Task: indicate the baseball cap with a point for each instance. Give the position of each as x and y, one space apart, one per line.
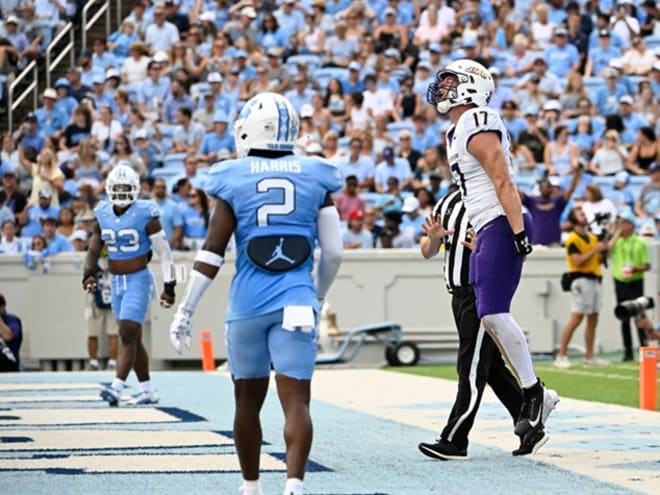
51 220
655 167
656 66
616 63
390 11
610 73
214 77
626 99
207 16
628 216
494 71
306 111
423 65
560 31
62 82
435 47
31 116
9 173
141 134
45 193
354 66
49 93
112 72
647 230
392 52
509 105
12 19
78 235
273 52
531 109
313 148
240 54
161 57
220 116
355 215
604 33
405 133
552 105
388 153
410 204
622 177
98 79
249 12
469 43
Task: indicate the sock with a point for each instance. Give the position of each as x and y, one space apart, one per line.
251 488
147 386
294 486
513 343
118 385
94 363
112 363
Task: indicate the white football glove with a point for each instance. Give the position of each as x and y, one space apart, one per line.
181 330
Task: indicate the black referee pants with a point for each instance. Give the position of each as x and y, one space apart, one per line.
624 292
479 362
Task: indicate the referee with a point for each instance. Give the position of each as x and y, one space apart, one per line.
479 359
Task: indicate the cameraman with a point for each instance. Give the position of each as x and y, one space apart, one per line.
583 257
631 257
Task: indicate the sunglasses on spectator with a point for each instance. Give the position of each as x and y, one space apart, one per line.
194 195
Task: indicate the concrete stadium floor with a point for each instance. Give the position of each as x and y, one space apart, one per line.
56 437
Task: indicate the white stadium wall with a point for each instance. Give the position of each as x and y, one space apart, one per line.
372 286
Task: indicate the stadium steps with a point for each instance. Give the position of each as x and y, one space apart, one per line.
97 30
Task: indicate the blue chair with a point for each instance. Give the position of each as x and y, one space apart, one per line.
324 75
652 42
592 85
508 82
174 161
313 62
525 183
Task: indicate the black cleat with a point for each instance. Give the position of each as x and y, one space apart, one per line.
443 450
538 403
532 442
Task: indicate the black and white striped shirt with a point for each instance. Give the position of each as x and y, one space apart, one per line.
457 257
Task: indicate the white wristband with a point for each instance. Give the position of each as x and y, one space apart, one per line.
209 258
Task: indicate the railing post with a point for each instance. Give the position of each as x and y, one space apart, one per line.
35 92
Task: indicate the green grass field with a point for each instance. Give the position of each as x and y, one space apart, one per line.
614 384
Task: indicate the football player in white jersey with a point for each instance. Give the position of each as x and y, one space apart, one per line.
480 161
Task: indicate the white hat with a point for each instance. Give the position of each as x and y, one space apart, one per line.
249 12
112 72
306 110
313 147
207 16
214 77
12 19
50 93
647 229
626 99
554 180
78 235
390 10
410 204
354 65
161 57
141 134
552 105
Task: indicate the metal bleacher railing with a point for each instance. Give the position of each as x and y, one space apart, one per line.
68 49
100 9
13 103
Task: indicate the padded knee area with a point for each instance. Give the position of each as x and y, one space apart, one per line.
128 335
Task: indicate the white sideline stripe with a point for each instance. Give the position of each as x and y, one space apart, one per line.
82 416
109 439
54 398
167 463
20 387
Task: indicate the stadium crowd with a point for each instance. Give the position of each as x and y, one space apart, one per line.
577 84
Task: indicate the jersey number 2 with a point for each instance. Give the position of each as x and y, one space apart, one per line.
286 206
129 238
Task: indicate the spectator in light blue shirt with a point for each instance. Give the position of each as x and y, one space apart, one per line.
501 94
220 139
392 166
353 83
151 93
601 55
51 121
37 213
514 124
603 23
421 135
101 59
66 104
561 56
177 98
291 20
358 165
56 242
631 120
120 41
300 94
99 95
607 98
171 218
222 102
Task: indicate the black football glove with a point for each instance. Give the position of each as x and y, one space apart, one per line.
521 243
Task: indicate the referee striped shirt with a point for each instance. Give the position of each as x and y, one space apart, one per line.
457 257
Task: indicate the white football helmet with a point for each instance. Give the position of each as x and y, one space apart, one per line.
474 85
268 121
122 185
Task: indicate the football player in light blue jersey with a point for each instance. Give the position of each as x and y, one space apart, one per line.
277 205
130 229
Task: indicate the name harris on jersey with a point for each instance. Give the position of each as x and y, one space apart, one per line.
264 166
